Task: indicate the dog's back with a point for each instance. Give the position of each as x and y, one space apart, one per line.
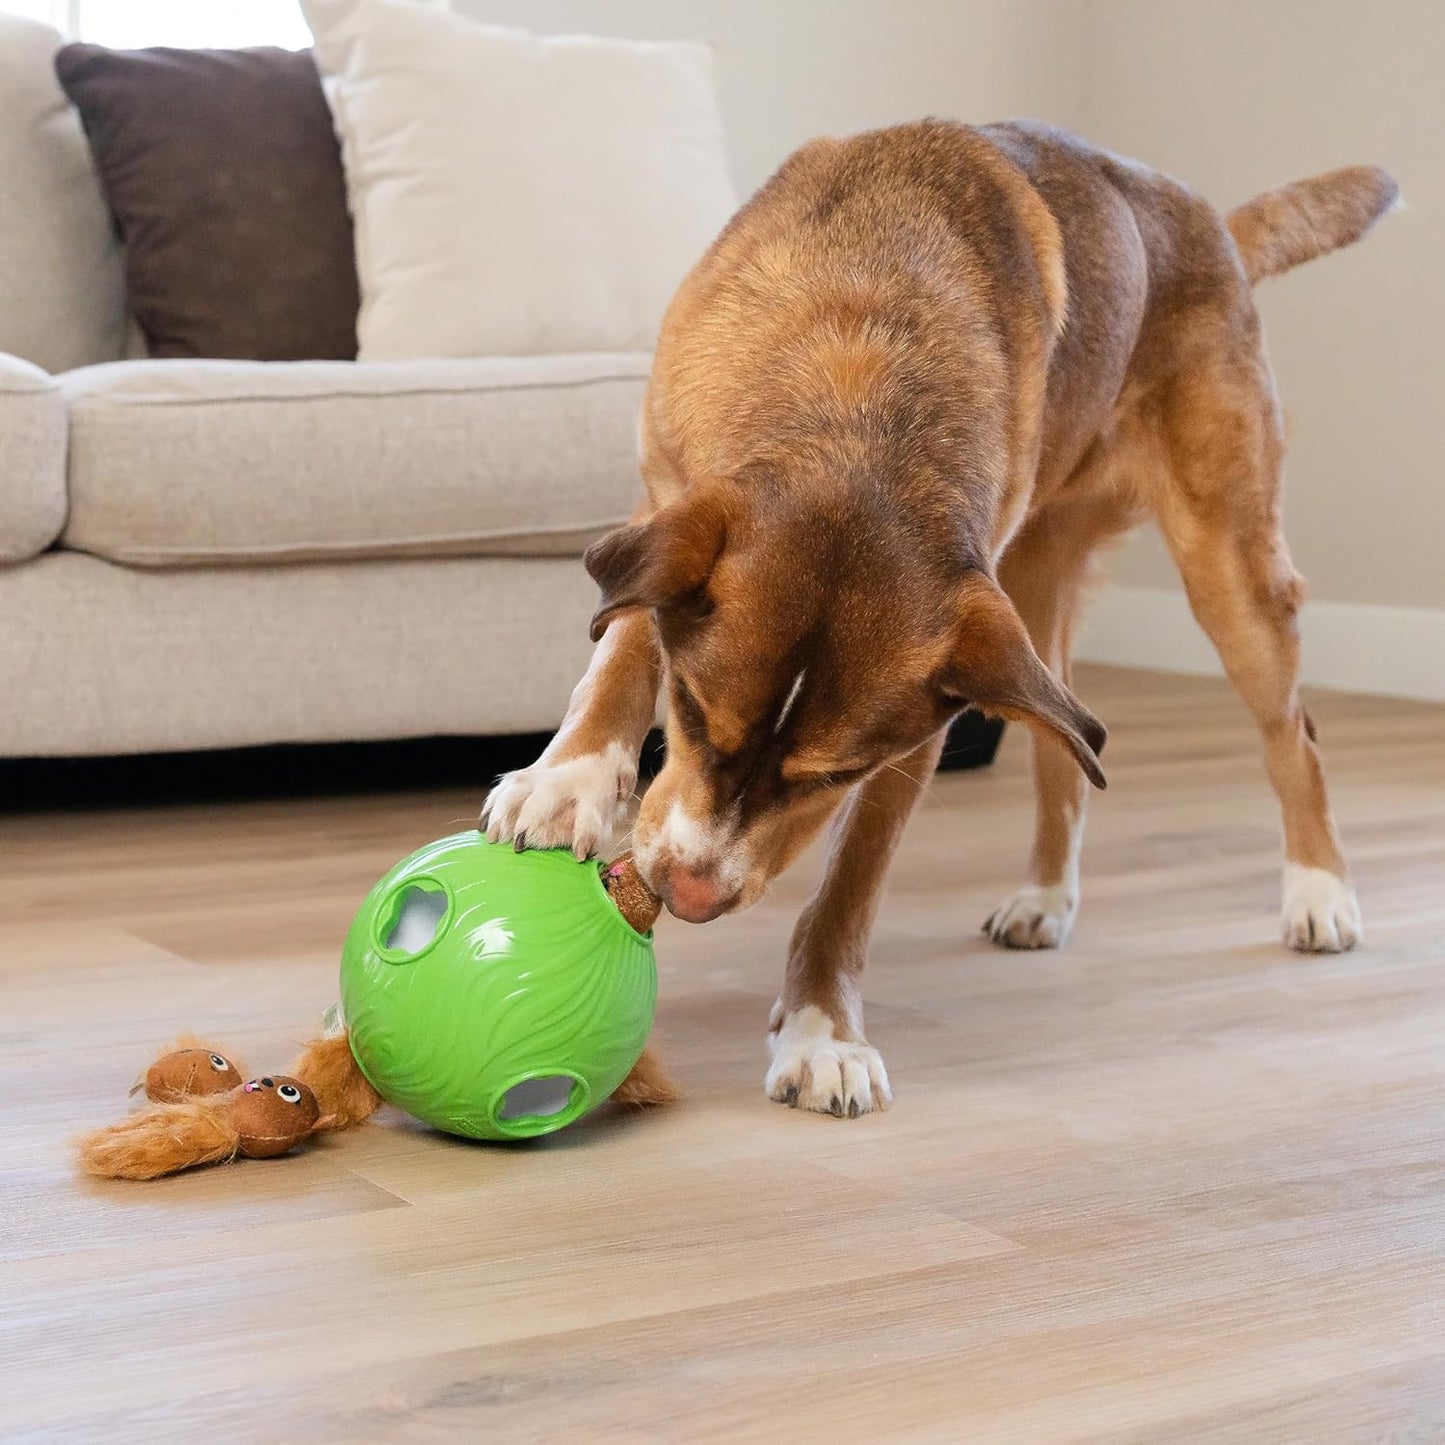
862 277
941 262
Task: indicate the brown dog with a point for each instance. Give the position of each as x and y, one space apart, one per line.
911 389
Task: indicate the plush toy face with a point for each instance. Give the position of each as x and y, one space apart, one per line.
635 901
189 1074
273 1114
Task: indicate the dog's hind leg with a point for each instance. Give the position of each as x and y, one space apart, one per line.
1219 511
1044 572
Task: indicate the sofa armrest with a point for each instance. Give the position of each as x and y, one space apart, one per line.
32 459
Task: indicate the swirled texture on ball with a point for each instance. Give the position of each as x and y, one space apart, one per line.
532 973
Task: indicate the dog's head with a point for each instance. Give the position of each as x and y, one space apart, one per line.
807 641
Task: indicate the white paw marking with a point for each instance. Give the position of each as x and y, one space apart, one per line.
1321 912
813 1070
1035 916
575 804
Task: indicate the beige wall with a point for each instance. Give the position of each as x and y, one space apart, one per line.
1239 95
789 70
1232 96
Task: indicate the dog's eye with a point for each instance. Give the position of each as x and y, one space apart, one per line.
290 1093
811 781
219 1064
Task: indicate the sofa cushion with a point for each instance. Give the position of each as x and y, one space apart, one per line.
32 460
224 175
96 658
62 300
180 462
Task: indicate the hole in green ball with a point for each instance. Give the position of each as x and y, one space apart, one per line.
537 1098
415 917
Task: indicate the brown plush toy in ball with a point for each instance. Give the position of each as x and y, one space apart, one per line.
635 901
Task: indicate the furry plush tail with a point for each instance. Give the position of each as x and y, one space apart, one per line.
648 1083
342 1090
1310 218
160 1140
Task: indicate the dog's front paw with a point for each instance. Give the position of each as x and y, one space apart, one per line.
1321 912
812 1069
576 803
1034 917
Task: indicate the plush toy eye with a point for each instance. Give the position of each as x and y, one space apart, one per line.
219 1064
290 1093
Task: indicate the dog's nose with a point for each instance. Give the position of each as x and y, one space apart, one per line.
694 897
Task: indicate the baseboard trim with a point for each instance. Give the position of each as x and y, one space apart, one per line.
1353 647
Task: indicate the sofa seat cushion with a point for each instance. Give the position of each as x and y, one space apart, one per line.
97 658
32 459
178 463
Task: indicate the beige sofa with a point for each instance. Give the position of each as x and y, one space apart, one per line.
200 554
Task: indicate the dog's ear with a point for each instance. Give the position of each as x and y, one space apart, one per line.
993 667
659 562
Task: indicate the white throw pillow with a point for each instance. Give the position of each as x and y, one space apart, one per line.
62 294
515 194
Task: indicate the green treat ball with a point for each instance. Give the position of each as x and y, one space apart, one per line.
493 993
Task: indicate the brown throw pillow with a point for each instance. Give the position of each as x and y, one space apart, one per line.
223 173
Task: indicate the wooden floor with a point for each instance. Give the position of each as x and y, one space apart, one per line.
1172 1184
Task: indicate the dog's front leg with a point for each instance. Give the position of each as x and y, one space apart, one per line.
820 1058
574 795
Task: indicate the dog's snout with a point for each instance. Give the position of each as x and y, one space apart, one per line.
694 896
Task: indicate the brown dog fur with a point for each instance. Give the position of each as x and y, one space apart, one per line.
915 385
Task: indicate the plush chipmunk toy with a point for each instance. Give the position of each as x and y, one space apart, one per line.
202 1113
189 1071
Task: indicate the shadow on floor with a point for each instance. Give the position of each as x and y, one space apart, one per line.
327 769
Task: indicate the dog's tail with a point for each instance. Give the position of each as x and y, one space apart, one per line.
1310 218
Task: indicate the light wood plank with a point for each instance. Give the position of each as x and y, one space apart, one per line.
1173 1183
